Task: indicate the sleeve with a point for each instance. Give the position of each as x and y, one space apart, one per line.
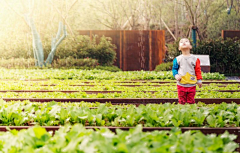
198 70
175 67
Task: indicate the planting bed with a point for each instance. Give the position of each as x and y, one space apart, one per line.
128 82
206 131
163 115
75 74
134 101
216 116
102 92
79 139
150 93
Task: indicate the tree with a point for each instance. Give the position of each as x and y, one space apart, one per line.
229 6
38 52
125 14
108 13
209 9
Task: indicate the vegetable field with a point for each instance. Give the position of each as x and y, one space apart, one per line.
101 111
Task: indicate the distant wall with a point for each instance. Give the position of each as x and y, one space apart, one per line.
136 50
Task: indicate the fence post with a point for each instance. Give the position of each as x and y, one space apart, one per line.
150 50
124 51
121 50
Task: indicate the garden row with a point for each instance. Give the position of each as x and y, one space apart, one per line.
157 118
162 115
126 94
126 101
105 86
76 74
103 92
79 139
114 115
101 82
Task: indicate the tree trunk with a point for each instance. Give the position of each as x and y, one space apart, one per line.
37 43
56 42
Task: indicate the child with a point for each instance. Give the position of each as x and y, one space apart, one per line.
187 71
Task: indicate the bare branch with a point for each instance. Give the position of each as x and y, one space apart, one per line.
64 19
187 35
71 7
168 29
133 16
104 24
227 4
104 10
15 11
19 14
128 18
196 11
33 4
190 11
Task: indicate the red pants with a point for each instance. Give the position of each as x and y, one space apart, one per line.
186 94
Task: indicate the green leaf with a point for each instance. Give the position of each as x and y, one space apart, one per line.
121 147
39 131
230 147
176 123
212 121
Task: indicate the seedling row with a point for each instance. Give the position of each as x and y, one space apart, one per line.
78 138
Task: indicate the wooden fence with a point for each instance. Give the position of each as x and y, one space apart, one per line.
230 34
136 50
